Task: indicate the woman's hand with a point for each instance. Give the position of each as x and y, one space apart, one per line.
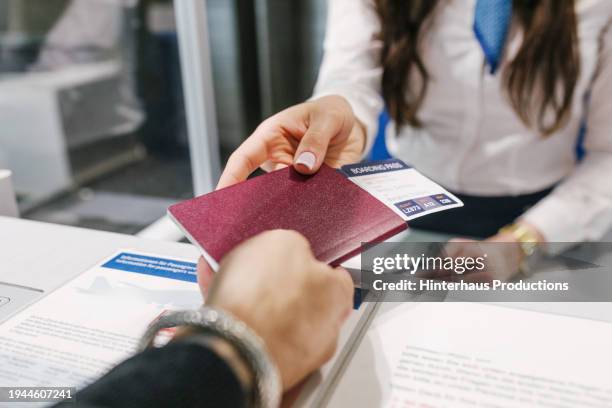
295 303
306 135
502 251
502 258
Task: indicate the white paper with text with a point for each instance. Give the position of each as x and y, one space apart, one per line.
79 331
474 355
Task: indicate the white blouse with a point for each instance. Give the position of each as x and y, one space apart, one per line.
472 141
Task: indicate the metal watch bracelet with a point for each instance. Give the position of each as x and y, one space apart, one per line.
527 242
267 382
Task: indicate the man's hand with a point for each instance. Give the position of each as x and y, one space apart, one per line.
295 303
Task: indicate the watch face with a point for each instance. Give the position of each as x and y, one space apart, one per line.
529 247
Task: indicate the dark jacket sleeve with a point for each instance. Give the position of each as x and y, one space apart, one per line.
178 375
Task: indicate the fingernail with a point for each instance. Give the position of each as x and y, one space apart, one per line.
307 159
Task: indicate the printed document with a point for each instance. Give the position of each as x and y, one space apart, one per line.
78 332
81 330
475 355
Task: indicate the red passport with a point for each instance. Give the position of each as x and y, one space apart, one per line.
332 212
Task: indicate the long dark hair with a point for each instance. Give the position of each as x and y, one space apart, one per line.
539 80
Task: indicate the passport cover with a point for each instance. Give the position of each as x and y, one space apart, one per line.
332 212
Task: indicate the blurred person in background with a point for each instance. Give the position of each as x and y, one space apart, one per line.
487 97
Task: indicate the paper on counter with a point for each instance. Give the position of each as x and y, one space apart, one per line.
473 355
81 330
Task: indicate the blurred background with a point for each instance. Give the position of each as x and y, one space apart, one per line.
92 109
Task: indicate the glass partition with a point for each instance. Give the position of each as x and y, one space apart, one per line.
91 111
92 102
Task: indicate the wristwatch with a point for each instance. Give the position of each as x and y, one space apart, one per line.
266 378
528 242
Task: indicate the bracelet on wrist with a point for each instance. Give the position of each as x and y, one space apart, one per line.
266 378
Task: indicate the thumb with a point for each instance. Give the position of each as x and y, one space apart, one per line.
205 276
310 154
